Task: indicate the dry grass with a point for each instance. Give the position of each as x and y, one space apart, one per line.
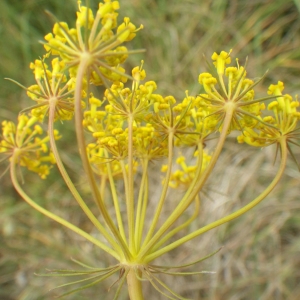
260 258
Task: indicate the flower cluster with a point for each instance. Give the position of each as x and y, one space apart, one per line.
230 88
52 88
95 39
120 133
107 120
185 174
283 121
28 144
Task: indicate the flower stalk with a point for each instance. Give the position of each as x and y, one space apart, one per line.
134 284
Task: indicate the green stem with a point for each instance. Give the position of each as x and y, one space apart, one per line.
195 180
164 190
144 210
221 80
180 227
134 285
139 221
232 216
130 198
51 215
83 66
182 206
115 200
70 184
103 179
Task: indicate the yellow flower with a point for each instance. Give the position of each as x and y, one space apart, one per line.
184 175
99 47
283 122
220 60
26 142
230 90
53 88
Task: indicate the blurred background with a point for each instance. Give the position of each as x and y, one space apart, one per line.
260 258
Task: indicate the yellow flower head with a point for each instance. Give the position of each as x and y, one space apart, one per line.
283 122
184 175
229 91
27 142
100 49
53 89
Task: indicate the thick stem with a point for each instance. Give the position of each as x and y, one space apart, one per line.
85 161
134 284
